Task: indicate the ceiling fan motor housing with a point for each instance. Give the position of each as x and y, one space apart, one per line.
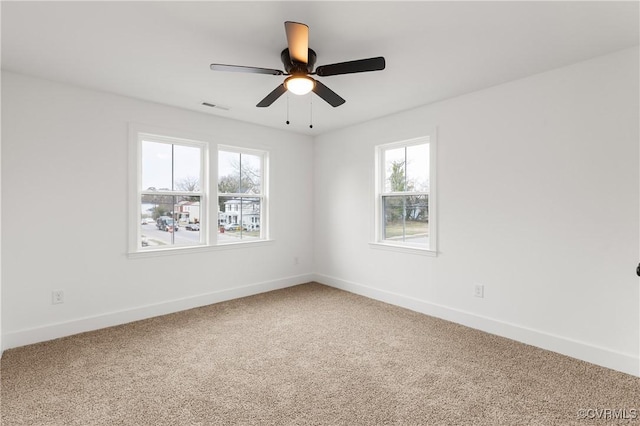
295 67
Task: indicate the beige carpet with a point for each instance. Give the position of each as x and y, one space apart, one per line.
304 355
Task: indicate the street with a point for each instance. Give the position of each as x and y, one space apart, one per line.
156 237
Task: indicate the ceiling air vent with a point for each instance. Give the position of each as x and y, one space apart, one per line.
210 105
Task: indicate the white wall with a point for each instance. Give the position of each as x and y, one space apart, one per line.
538 200
1 222
64 221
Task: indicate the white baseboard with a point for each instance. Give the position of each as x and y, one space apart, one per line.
626 363
62 329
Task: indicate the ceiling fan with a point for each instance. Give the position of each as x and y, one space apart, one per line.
298 61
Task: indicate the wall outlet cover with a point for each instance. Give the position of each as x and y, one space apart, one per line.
57 297
478 290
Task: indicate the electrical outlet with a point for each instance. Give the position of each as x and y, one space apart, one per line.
478 290
57 296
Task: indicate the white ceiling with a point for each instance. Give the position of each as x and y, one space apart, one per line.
161 51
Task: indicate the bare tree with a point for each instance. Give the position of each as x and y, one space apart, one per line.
244 180
189 184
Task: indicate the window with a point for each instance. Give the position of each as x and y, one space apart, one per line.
174 201
240 195
405 214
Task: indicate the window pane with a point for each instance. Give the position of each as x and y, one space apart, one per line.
393 208
186 168
239 218
417 168
394 165
251 176
156 205
228 172
406 219
158 210
156 166
188 213
417 219
165 219
251 208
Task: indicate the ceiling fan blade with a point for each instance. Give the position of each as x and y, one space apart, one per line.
361 65
240 68
327 94
271 97
298 41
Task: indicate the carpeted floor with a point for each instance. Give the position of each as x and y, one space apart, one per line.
308 354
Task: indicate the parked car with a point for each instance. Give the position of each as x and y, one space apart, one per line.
192 227
146 221
165 223
160 222
231 227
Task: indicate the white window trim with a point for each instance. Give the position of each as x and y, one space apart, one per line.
198 249
209 233
378 242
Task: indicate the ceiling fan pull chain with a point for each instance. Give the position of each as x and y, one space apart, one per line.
287 108
310 112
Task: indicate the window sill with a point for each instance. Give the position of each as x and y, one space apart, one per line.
404 249
196 249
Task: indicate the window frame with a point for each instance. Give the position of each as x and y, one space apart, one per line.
208 193
380 177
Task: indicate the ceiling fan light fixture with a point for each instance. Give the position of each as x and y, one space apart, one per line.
299 85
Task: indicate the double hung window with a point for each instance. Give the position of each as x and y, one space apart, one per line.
172 192
405 213
241 198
